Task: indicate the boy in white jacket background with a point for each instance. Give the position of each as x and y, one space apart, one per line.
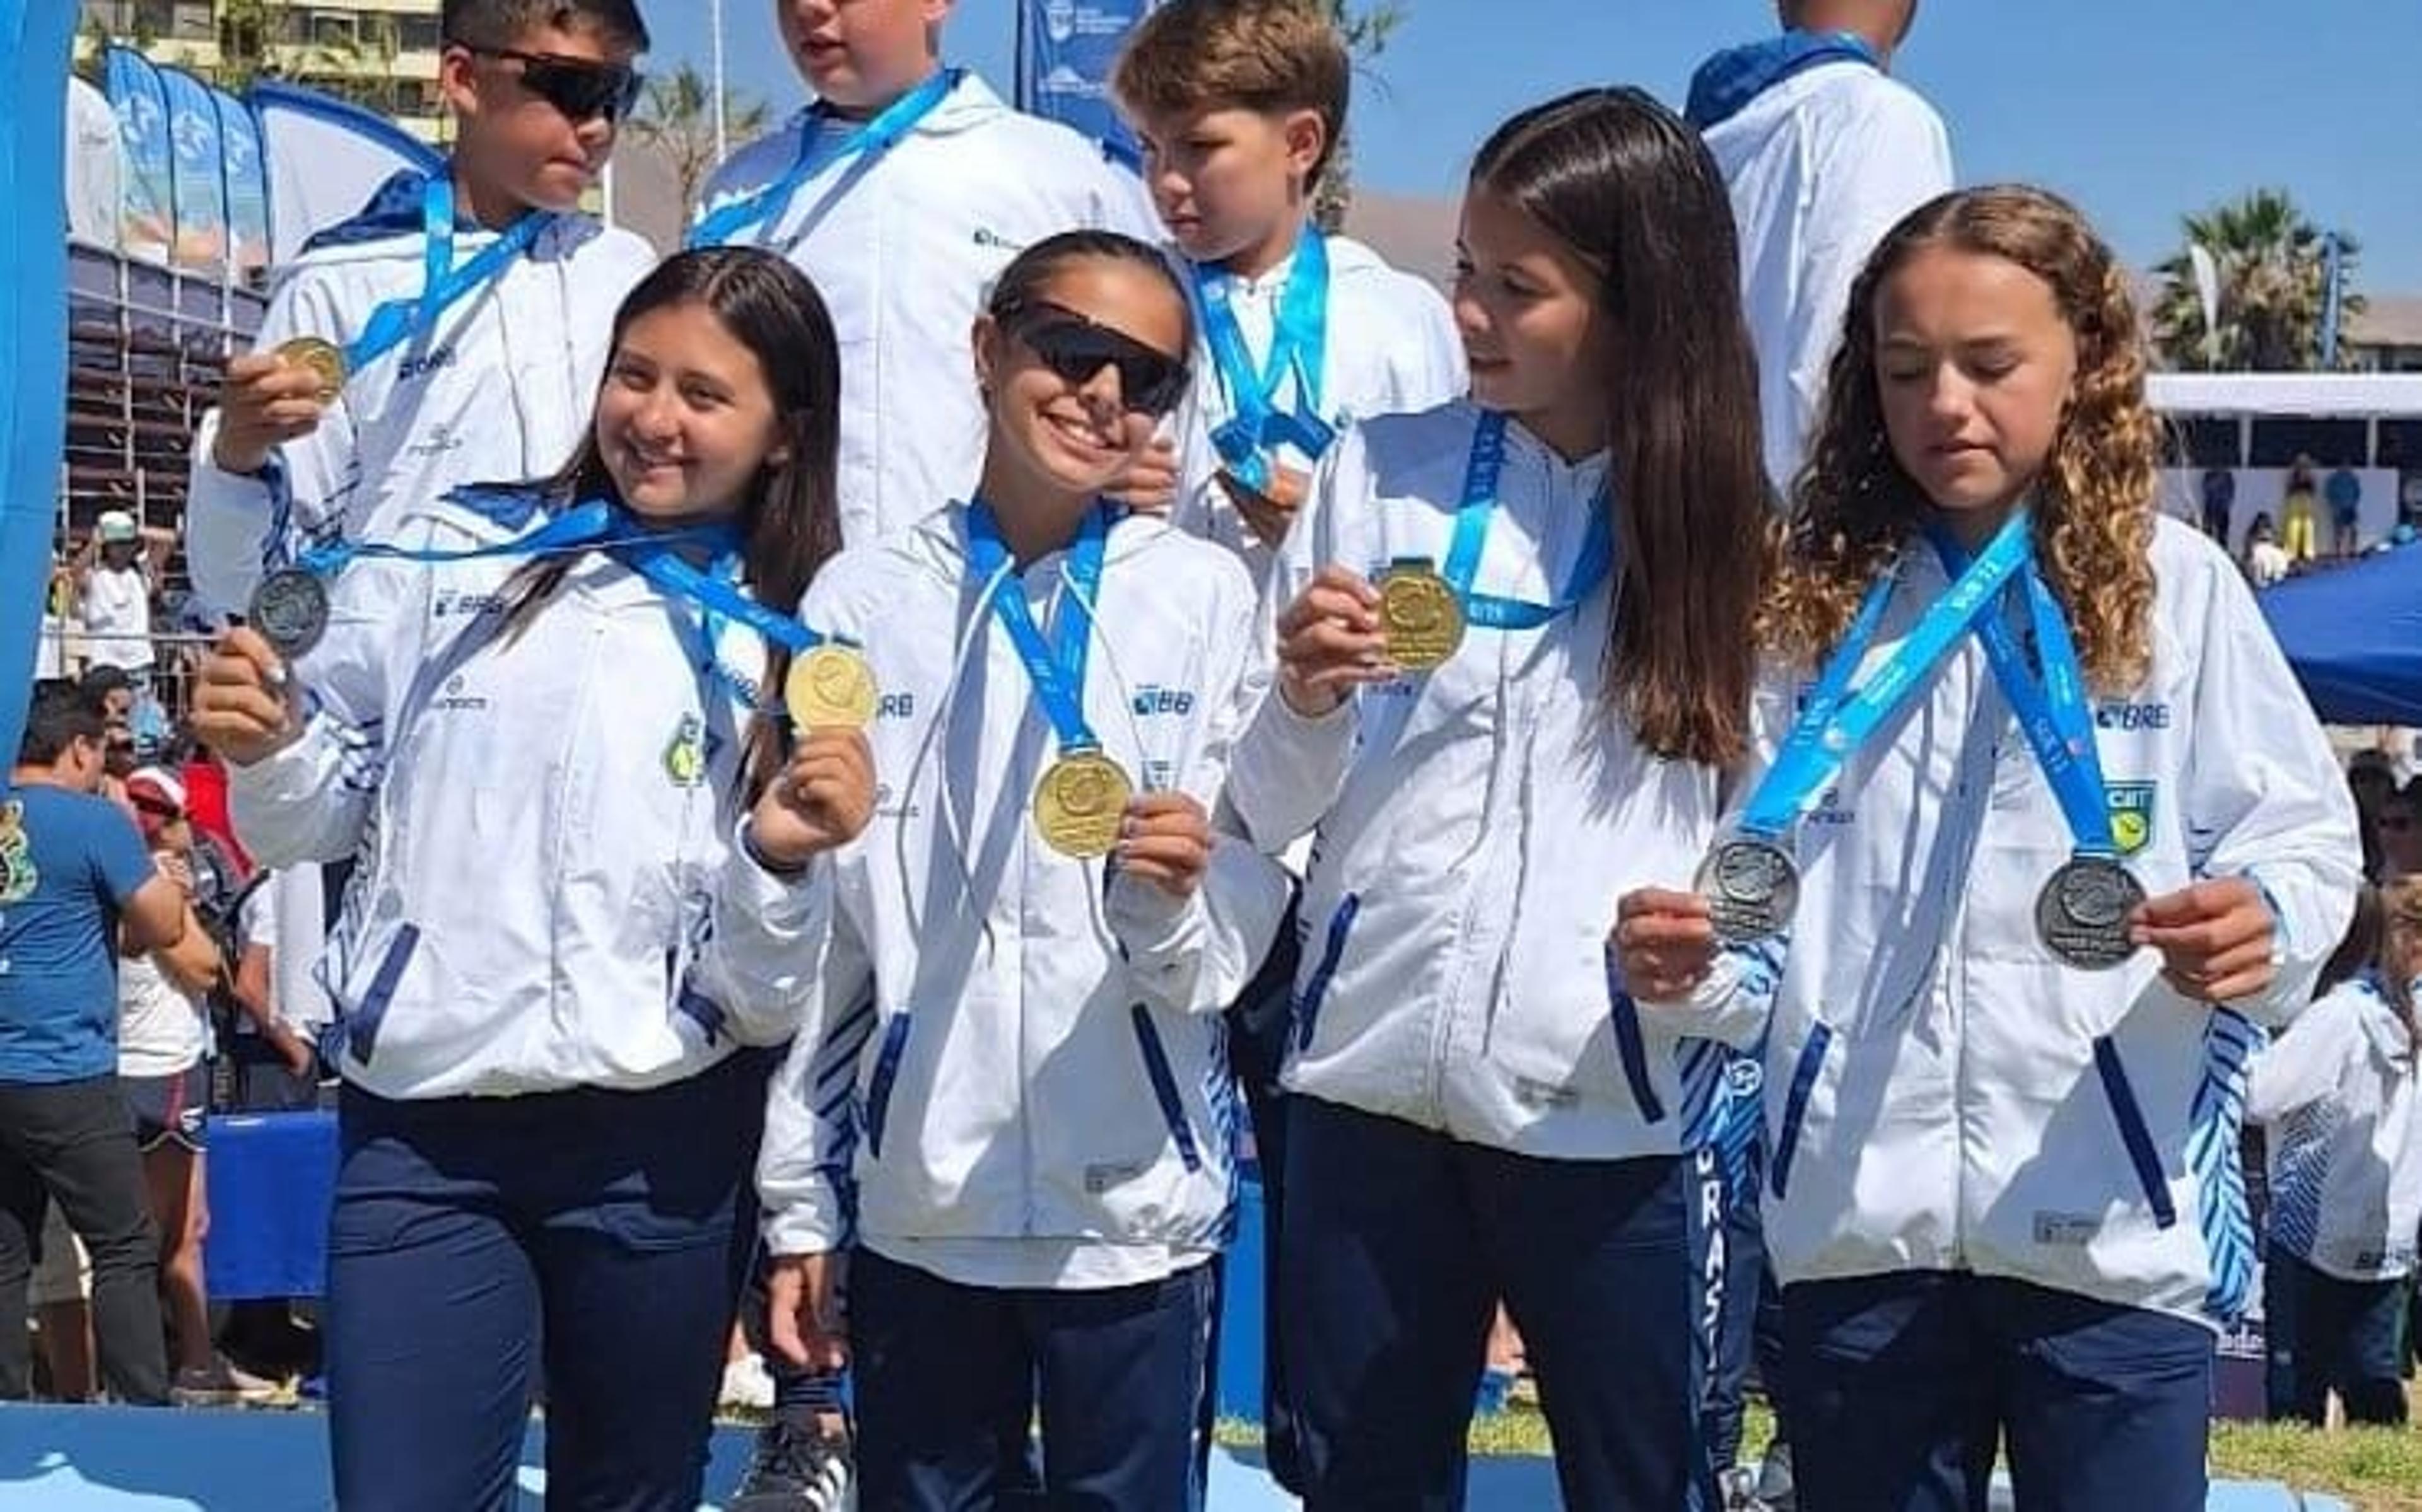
498 383
904 190
2336 1093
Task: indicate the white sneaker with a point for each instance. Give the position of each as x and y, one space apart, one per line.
747 1383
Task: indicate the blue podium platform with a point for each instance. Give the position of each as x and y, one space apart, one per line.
122 1459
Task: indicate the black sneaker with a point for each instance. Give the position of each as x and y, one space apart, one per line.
799 1468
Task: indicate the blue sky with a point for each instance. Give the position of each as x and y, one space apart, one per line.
2141 110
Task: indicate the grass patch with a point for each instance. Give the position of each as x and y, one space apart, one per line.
2376 1470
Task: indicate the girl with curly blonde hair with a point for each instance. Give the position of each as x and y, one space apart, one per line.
2053 837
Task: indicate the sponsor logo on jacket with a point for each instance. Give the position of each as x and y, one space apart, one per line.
2123 716
1150 700
420 365
2132 814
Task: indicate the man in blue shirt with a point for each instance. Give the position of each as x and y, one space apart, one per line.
2344 492
76 889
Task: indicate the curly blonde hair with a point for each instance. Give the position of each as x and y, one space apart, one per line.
1854 507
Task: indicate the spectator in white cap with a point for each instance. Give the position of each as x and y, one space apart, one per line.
115 598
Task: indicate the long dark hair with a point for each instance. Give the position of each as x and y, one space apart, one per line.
1631 190
792 522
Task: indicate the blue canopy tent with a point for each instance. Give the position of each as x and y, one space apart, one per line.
2353 635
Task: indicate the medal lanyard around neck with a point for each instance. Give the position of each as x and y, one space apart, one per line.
718 597
1480 484
1057 676
1299 345
1835 721
2054 711
869 141
442 284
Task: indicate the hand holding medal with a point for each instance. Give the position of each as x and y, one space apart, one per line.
268 399
2218 939
831 687
1664 943
240 707
1270 510
1331 641
1165 840
824 798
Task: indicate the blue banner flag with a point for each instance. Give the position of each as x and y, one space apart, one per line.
1065 52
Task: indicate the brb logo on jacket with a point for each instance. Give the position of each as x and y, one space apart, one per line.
1150 700
420 365
2131 816
2130 717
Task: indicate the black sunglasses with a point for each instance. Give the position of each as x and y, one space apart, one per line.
581 87
1075 348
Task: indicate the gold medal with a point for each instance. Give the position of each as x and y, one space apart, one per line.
831 687
1420 614
325 360
1080 802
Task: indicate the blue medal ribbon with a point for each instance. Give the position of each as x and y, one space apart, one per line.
2053 709
1480 481
575 529
716 594
1299 344
876 137
1836 720
1057 674
442 284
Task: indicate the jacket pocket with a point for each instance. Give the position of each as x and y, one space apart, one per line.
1164 1088
1804 1072
362 1023
2133 1133
878 1089
1629 1045
1307 1006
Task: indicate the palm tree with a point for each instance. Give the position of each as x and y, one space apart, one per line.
2272 275
1366 30
676 117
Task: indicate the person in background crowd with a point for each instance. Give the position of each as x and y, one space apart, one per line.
114 597
2298 508
2266 561
76 888
2399 822
2219 500
2343 492
163 1049
50 653
1822 150
2338 1093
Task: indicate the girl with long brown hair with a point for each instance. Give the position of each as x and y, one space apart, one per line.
1515 654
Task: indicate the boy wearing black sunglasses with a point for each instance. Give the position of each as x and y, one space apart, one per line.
454 331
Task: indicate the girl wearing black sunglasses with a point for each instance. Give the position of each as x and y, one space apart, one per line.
1031 941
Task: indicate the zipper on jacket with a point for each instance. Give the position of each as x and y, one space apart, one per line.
1332 950
878 1089
1164 1088
2132 1132
362 1024
1795 1106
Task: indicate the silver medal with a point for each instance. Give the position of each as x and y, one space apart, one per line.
1752 887
289 609
2082 913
